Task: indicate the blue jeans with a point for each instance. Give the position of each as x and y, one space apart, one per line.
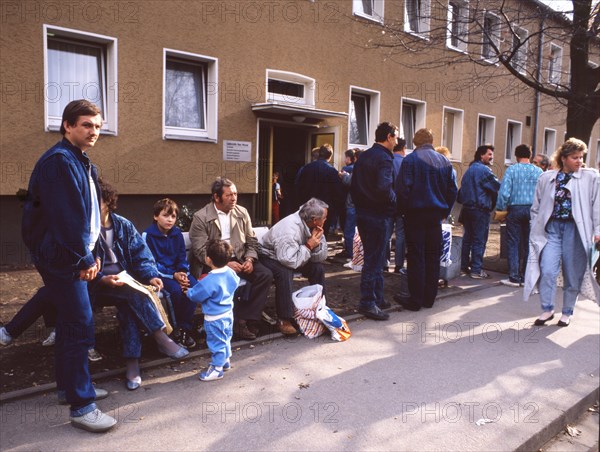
74 337
135 311
563 244
374 232
37 306
218 339
184 308
517 241
476 224
349 229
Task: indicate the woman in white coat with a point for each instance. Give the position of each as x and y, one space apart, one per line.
565 225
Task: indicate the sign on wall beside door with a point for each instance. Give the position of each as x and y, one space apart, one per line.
237 151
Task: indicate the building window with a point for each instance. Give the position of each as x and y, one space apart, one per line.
491 37
369 9
412 119
549 142
520 47
79 65
189 108
513 139
363 117
452 131
555 64
416 16
598 154
458 17
290 88
485 129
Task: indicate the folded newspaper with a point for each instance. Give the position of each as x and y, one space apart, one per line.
126 278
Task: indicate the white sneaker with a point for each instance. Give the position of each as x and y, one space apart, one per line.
95 421
508 282
211 374
5 338
50 340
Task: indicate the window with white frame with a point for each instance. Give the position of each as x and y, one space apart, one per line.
290 88
363 116
514 130
485 129
520 47
555 64
412 118
369 9
189 106
79 65
416 16
491 37
458 17
452 131
549 142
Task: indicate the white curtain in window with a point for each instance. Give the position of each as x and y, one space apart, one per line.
359 119
184 102
75 71
510 140
409 119
449 130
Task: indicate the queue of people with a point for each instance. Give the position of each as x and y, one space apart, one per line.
88 256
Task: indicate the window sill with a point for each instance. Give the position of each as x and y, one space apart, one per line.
102 132
456 49
417 34
170 136
378 20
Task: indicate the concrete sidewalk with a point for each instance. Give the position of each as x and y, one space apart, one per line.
419 381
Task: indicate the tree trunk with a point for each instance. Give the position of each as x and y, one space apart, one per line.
581 118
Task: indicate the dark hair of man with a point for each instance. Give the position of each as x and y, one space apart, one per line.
383 130
523 151
350 154
325 152
401 145
218 186
481 150
110 196
219 252
75 109
166 204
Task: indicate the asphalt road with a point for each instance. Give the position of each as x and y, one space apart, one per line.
420 381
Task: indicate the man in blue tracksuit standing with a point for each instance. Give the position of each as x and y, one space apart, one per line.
61 224
478 194
426 191
372 190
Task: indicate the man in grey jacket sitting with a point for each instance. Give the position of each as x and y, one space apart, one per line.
295 244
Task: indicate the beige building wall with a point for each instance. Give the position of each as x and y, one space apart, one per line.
317 39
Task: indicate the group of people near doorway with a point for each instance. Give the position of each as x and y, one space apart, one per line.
84 251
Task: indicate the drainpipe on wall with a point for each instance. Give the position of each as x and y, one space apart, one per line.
538 76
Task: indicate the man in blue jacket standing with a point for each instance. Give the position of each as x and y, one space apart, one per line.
426 190
478 194
61 224
372 190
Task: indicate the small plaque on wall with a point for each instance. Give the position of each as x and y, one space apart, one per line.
237 151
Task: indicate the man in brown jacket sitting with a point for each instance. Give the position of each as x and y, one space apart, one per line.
223 219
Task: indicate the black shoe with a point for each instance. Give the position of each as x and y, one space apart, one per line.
406 303
186 340
343 255
540 322
374 313
384 305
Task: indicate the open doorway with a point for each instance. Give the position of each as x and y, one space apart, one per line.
285 149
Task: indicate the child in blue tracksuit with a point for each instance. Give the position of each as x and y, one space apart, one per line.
215 292
166 242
